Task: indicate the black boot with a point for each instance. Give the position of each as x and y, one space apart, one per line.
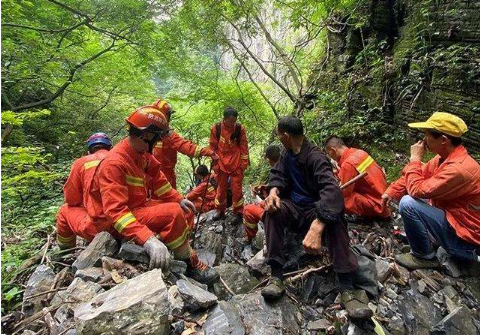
274 290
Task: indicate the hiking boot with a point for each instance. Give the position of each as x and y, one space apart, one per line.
274 290
356 304
413 263
218 216
199 271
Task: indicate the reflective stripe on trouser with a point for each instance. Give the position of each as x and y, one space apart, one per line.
167 220
236 179
73 221
171 177
252 214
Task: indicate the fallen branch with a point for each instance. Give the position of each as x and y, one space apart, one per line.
226 286
46 292
303 274
46 248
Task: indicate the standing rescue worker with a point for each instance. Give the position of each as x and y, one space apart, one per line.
253 213
439 199
228 141
363 197
166 150
72 218
126 179
203 195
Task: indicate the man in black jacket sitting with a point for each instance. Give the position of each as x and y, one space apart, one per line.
305 197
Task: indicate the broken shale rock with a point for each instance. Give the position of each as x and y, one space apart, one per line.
237 277
419 313
458 322
137 306
102 245
224 319
195 297
40 281
134 253
262 318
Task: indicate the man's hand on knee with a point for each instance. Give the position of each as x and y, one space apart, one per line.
272 202
312 243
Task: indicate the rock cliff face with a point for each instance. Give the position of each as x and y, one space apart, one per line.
409 59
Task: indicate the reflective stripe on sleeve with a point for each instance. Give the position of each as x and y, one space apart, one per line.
365 164
124 221
91 164
163 189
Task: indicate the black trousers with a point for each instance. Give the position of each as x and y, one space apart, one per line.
292 217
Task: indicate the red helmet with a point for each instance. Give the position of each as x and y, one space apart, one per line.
163 106
148 118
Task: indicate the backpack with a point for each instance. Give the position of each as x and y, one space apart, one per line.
236 135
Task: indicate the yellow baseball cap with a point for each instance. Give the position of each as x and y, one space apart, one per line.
443 122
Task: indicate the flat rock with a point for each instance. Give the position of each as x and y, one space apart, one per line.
458 322
195 297
176 303
223 319
78 291
321 324
134 253
262 318
178 267
102 245
137 306
258 264
40 281
90 274
383 269
419 313
258 241
237 277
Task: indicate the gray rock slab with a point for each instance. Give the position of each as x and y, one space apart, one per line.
321 324
134 253
223 319
137 306
195 297
90 274
237 277
458 322
262 318
40 281
258 263
102 245
176 303
419 313
383 269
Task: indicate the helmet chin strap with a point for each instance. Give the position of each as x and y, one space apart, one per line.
151 142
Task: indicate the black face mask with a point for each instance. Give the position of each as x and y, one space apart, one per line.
157 136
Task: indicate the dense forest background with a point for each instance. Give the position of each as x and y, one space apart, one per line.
358 69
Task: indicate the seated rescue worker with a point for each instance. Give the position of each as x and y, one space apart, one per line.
203 195
139 201
439 199
72 218
166 150
252 213
364 196
305 197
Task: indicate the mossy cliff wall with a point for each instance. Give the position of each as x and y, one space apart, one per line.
401 60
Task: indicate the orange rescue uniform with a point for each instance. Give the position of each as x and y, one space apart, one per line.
364 197
233 160
138 200
252 214
196 195
72 218
452 185
166 153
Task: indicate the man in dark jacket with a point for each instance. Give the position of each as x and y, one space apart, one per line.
305 197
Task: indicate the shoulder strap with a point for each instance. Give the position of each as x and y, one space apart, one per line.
236 133
218 130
